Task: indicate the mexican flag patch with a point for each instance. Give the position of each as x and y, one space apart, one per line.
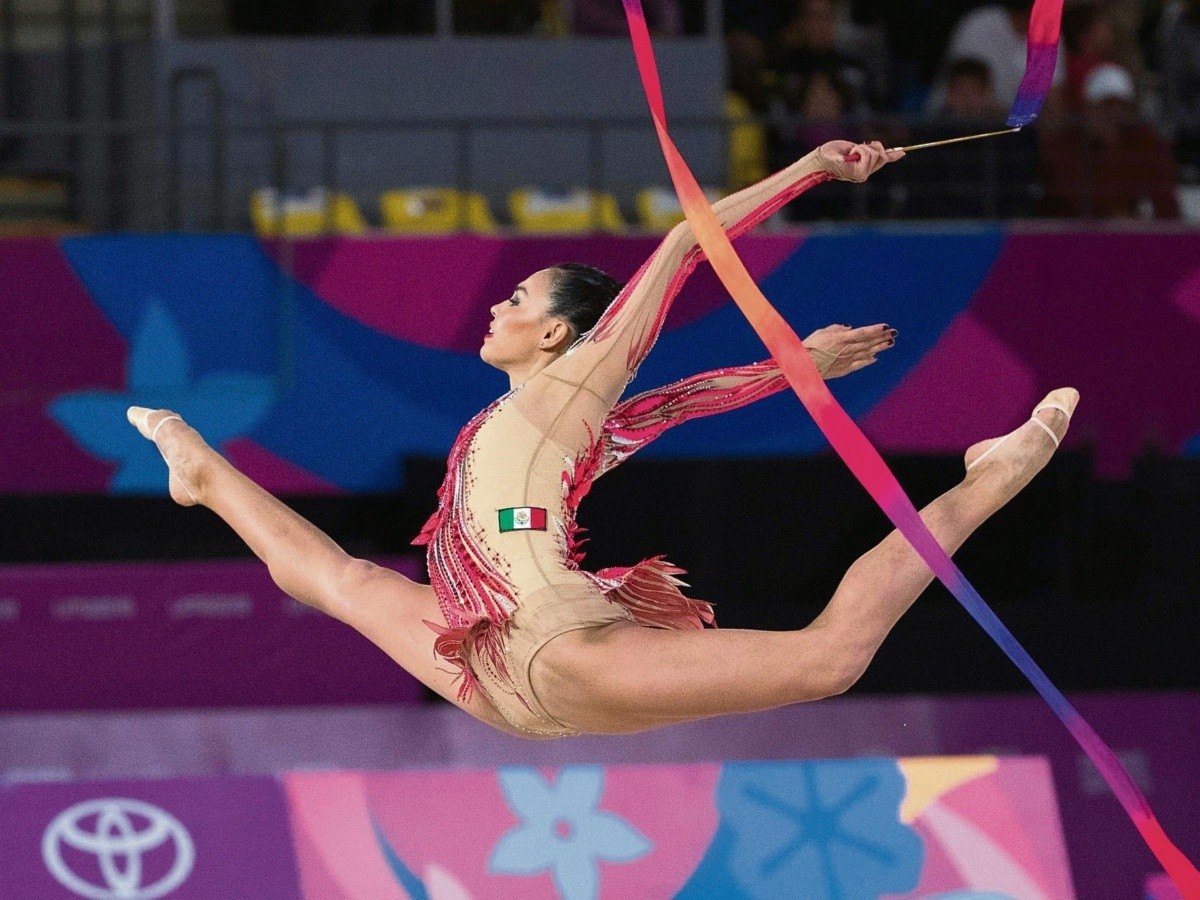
523 518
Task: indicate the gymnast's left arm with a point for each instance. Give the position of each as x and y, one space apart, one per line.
837 350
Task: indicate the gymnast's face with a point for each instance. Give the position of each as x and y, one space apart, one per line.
522 329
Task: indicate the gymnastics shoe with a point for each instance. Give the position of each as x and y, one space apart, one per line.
1063 400
149 428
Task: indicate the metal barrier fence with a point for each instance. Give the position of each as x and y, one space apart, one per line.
168 182
196 175
92 101
122 172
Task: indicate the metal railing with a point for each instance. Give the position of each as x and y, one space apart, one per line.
106 118
68 22
166 20
216 198
592 173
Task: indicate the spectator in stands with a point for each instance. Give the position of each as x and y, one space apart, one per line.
916 34
824 102
809 43
817 104
497 16
1181 83
970 95
1090 39
1112 164
997 35
995 178
606 18
750 26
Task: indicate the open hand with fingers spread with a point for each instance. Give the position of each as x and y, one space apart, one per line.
855 162
839 349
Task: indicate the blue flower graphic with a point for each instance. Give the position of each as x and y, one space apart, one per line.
562 830
221 405
823 830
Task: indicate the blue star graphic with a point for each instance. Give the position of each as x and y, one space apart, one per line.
220 406
817 825
832 827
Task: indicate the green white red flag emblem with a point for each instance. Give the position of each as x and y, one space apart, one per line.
523 518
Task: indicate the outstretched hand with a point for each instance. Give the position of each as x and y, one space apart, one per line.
855 162
839 349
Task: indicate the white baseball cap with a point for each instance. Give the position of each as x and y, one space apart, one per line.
1107 81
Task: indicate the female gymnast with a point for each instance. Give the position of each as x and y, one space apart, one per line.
510 628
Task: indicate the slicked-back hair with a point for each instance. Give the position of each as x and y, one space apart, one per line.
580 294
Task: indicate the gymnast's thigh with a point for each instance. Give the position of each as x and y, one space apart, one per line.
391 611
625 677
564 677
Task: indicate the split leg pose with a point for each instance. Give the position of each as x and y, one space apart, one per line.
620 677
511 628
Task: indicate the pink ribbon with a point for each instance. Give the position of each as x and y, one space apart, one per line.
1041 59
868 466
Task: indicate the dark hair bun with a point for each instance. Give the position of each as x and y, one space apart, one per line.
581 294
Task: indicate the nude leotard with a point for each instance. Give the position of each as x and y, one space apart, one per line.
505 592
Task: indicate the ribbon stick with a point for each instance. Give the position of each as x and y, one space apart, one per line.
868 466
1041 59
854 157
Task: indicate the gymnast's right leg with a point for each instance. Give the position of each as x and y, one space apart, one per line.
624 677
384 606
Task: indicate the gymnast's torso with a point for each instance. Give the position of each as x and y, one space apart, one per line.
504 557
503 551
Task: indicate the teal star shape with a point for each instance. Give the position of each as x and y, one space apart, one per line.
221 406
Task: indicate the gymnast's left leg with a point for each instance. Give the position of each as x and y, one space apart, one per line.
624 677
384 606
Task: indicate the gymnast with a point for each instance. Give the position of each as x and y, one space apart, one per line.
510 628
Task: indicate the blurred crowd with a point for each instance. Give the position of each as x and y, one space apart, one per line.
1119 133
551 18
1120 129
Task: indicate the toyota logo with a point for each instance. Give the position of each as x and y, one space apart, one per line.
117 832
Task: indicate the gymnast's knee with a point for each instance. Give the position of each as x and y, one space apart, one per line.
355 584
838 665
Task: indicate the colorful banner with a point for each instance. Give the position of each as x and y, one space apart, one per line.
968 828
324 381
154 635
186 839
1153 733
981 828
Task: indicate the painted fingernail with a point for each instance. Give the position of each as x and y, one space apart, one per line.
890 342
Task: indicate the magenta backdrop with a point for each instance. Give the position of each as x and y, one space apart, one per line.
989 320
143 635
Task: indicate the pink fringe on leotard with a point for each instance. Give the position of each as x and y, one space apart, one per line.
480 596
